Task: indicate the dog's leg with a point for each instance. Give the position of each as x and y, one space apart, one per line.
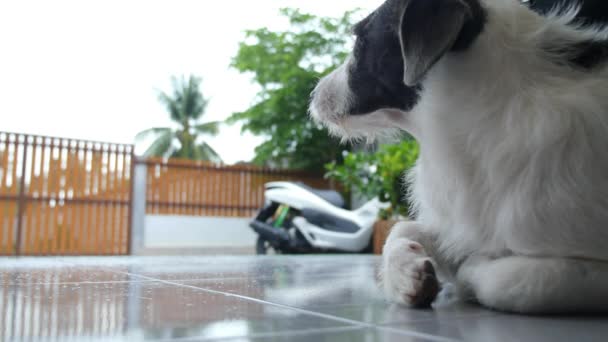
408 271
537 285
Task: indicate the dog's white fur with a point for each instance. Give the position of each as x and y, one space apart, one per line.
511 187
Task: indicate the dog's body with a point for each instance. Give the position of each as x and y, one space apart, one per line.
511 113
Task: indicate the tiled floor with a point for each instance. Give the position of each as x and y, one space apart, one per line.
310 298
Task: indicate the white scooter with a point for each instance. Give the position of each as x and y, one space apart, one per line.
299 219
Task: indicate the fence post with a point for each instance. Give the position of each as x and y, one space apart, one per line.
21 202
138 205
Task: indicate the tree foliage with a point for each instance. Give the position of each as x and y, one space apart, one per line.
186 105
287 65
379 174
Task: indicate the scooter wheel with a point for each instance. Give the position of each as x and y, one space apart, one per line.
263 247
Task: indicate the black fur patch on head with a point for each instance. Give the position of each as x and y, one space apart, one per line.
588 54
376 72
472 28
377 69
592 12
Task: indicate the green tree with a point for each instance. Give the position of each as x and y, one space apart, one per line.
287 65
186 105
379 174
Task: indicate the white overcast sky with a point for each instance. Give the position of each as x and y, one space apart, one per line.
90 69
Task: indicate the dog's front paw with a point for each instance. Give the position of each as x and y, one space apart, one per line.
408 275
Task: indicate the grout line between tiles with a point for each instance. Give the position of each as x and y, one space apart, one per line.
304 311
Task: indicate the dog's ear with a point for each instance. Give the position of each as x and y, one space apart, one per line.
428 29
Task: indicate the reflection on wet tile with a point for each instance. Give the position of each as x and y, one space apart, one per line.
221 268
355 297
280 298
64 275
351 334
149 310
310 291
61 270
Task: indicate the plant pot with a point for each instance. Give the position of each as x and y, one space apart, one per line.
381 230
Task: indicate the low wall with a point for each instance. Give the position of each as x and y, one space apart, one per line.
170 231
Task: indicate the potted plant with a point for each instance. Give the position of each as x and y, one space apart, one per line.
380 174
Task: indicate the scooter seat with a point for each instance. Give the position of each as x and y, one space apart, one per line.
331 196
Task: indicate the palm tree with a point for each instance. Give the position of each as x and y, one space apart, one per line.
185 106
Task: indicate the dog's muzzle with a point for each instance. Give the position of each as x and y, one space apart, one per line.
331 97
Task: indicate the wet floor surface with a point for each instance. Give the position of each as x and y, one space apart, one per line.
309 298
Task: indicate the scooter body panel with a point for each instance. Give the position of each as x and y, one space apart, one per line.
299 198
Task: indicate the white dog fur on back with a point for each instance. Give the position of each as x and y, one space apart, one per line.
510 191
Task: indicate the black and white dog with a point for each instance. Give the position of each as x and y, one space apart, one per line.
509 102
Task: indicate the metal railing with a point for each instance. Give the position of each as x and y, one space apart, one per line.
73 197
64 196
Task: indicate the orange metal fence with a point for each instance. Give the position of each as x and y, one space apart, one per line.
72 197
183 187
63 196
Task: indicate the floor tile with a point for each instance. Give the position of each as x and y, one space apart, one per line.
279 298
63 275
506 327
138 311
68 270
355 297
332 335
196 268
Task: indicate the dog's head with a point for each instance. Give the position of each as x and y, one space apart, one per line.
395 47
401 43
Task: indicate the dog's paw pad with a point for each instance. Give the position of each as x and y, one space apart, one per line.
425 286
409 276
